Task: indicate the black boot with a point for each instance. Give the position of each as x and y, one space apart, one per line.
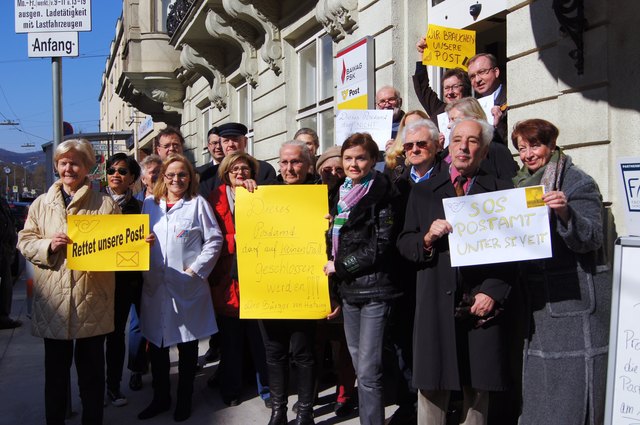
161 402
187 367
306 395
278 380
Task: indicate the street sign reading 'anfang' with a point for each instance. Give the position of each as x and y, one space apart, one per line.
52 15
52 44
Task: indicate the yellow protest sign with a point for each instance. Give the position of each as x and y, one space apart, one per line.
449 47
281 251
112 242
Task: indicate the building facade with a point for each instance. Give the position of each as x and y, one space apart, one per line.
270 65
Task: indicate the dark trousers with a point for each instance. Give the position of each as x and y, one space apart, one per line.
280 338
115 351
233 332
160 368
88 354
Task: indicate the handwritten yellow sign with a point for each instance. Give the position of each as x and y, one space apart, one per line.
108 242
281 251
449 47
496 227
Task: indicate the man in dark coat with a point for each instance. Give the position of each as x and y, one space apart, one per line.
464 351
208 171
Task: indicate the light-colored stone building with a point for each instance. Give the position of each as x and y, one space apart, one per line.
269 64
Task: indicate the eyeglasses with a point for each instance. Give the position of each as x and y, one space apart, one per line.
122 171
453 87
293 162
170 145
180 176
332 170
480 73
239 169
390 101
422 144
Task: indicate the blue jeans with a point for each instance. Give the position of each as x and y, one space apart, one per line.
364 326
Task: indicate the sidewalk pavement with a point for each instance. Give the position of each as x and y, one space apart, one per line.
22 388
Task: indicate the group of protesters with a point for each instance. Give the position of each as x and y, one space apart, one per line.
503 343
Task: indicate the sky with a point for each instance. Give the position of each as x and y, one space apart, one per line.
25 83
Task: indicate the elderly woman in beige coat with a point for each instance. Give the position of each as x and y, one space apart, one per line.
72 310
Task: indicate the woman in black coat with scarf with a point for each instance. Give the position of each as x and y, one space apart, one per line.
362 245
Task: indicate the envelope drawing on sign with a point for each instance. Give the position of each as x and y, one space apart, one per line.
127 259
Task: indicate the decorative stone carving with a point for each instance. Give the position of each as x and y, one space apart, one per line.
219 27
192 60
263 18
337 17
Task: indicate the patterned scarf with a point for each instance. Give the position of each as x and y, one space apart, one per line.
121 200
550 175
350 195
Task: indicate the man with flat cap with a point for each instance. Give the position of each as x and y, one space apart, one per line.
233 138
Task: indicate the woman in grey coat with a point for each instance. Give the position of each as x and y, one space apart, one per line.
567 295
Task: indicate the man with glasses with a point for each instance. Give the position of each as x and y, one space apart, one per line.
169 142
387 97
455 85
485 80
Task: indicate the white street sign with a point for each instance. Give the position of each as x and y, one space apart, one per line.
52 44
52 15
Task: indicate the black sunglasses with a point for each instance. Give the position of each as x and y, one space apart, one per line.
422 144
121 171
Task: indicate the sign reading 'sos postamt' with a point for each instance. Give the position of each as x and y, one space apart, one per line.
52 15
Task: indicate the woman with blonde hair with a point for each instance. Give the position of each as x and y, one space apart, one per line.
176 302
72 310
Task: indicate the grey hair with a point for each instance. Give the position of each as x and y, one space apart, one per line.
81 146
306 153
434 133
487 129
149 159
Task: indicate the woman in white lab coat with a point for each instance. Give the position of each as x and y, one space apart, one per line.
176 301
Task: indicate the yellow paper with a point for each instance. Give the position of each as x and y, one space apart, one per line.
533 196
280 240
449 47
112 242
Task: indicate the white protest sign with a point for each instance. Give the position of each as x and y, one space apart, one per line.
630 185
443 125
498 227
375 122
487 104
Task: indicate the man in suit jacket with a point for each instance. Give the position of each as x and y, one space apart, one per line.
208 171
455 353
485 80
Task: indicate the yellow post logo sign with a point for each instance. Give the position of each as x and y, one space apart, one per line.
449 47
108 242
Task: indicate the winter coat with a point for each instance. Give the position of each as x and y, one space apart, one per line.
67 304
441 362
365 262
224 278
176 307
568 298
